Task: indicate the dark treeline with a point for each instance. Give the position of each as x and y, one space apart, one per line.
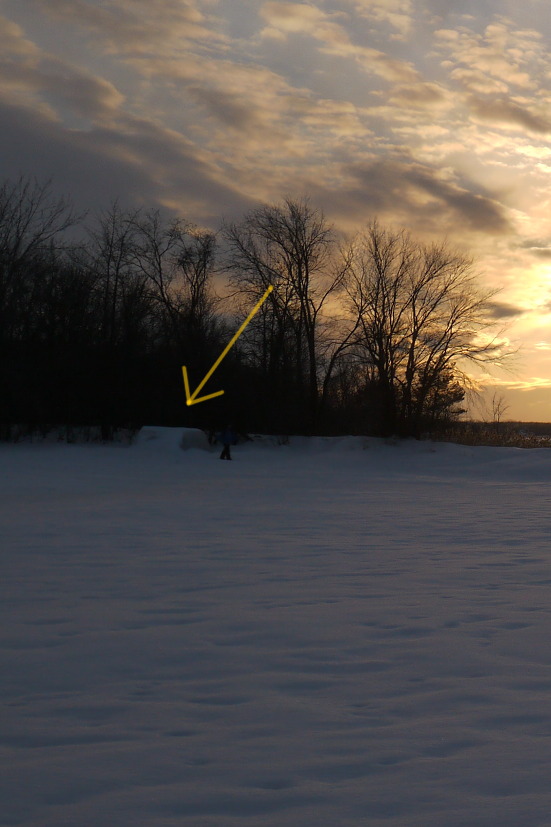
98 315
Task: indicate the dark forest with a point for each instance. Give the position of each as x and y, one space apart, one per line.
98 313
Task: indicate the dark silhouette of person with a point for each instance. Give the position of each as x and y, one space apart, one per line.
227 438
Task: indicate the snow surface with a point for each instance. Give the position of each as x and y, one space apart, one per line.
328 633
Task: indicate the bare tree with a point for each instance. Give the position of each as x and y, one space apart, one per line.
110 256
196 263
156 252
33 221
31 218
499 408
377 288
177 261
292 247
421 320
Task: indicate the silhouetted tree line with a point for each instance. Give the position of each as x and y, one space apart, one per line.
97 316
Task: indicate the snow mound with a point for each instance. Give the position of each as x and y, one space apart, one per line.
374 455
170 439
194 438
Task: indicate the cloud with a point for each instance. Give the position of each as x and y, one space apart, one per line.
478 84
43 80
299 18
501 55
419 95
133 26
305 19
530 384
507 111
91 97
260 129
381 64
500 73
140 163
397 14
251 118
13 40
229 107
538 247
419 197
539 152
503 310
479 213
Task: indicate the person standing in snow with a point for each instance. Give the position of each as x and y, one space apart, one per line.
227 438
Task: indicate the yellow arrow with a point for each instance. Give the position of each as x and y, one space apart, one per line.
191 398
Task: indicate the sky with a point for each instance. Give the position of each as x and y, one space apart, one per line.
433 115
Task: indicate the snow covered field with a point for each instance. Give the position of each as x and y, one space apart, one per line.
331 633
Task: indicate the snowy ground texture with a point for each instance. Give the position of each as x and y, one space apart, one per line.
335 632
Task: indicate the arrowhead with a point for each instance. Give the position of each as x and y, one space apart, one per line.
190 398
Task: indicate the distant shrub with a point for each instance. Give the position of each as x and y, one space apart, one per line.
71 434
506 435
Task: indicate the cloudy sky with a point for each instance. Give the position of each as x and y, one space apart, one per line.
430 114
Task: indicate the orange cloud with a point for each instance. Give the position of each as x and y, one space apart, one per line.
300 18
